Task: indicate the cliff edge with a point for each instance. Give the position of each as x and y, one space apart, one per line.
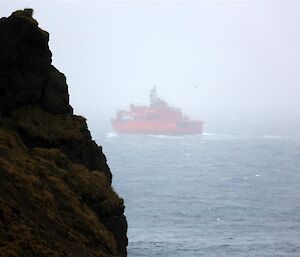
56 197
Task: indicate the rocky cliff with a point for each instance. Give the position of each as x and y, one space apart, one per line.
56 197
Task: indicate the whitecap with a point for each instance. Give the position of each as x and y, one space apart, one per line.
271 136
111 135
208 134
166 136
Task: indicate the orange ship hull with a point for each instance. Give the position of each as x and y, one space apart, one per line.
157 127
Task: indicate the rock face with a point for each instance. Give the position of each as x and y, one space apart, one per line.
56 197
27 76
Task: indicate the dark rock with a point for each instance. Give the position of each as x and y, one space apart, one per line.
26 74
56 197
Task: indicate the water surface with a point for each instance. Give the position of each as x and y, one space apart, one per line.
210 195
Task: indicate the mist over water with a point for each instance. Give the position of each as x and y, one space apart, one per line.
233 191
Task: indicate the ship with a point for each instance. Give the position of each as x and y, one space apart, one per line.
157 118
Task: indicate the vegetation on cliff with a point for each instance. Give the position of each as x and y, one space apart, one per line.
56 197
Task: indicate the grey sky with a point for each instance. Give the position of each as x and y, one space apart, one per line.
243 56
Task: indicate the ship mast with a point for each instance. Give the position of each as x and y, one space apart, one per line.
153 96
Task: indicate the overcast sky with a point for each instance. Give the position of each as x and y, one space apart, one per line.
243 56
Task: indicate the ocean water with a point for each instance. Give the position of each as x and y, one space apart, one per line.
210 195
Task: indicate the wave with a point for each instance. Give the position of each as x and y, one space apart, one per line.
273 136
166 136
208 134
223 136
290 137
111 135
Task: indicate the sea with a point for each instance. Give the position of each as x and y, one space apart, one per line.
212 195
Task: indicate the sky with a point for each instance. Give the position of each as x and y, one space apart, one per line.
233 64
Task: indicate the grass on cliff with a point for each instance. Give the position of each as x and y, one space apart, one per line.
37 123
48 204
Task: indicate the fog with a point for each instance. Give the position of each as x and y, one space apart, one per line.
235 65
